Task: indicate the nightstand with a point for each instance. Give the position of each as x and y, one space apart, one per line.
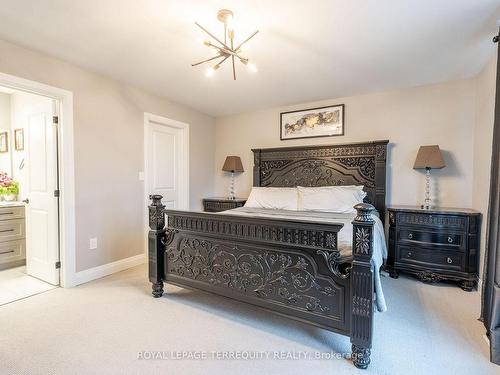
222 204
437 244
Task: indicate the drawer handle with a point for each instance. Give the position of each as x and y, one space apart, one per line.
409 254
450 240
410 236
449 260
6 213
6 230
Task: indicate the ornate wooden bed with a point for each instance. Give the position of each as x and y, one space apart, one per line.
290 267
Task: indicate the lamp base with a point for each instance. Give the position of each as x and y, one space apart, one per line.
231 196
427 201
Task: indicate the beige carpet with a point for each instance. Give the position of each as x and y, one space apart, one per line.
104 327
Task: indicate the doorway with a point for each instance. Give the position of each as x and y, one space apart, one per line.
29 194
166 161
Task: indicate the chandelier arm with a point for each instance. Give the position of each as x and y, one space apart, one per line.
231 38
229 52
246 40
242 59
223 50
224 59
211 35
234 68
207 60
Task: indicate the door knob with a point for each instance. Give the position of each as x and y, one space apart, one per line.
26 200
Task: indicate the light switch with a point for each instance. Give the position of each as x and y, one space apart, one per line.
93 244
141 176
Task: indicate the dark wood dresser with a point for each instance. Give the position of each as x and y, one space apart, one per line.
437 244
222 204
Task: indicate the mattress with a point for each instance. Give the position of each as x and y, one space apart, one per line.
344 236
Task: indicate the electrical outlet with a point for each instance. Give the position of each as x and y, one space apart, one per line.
93 243
141 176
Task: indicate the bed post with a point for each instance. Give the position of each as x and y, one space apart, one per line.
155 246
256 167
362 286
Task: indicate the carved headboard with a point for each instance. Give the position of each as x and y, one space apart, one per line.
343 164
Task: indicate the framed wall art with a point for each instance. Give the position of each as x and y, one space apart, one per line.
4 142
313 122
19 139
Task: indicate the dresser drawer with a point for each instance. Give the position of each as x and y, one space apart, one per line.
11 230
432 220
9 213
428 258
454 240
11 251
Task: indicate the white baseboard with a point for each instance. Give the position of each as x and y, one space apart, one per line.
85 276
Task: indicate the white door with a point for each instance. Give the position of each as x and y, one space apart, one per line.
42 232
167 161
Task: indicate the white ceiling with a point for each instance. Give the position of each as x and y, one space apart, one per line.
306 50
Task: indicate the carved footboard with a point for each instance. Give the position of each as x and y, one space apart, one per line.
289 267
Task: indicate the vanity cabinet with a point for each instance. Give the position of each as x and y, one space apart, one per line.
12 236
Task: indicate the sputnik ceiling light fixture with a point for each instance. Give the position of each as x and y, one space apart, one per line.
223 49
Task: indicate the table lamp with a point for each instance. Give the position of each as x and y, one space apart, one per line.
233 165
428 157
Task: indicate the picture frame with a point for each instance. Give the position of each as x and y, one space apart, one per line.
19 139
4 142
316 122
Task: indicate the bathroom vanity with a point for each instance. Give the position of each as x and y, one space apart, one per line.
12 235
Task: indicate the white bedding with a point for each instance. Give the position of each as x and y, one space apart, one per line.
344 236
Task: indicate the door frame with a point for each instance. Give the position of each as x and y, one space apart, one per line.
66 158
151 119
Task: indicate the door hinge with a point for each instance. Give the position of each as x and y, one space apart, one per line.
58 265
57 193
55 119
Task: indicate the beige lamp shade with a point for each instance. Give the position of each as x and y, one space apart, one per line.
232 164
429 157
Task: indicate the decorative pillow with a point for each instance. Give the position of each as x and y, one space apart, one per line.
341 199
271 197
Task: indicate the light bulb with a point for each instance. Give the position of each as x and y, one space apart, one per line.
252 67
203 41
230 22
210 72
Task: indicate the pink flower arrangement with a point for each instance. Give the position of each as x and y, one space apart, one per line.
8 186
5 180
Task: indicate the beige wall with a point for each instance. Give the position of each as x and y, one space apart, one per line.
108 135
5 124
108 119
483 136
440 114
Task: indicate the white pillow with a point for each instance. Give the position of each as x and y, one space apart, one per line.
271 197
341 199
